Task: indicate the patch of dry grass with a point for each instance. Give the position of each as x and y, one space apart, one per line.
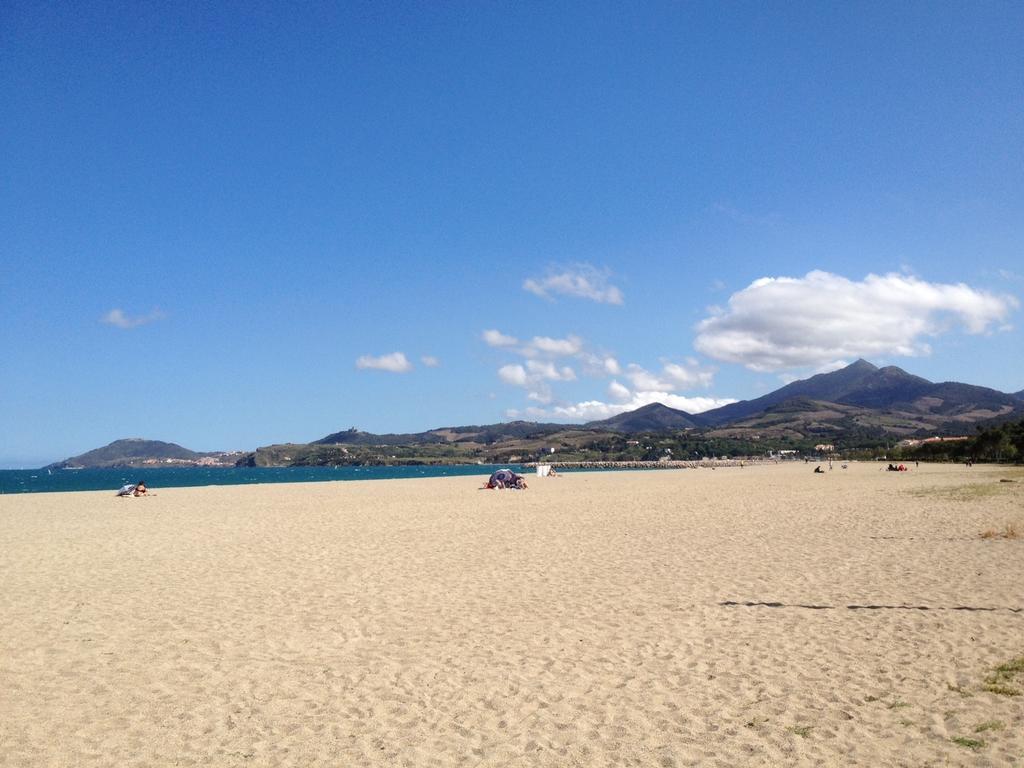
969 492
1009 531
991 725
984 488
971 744
1002 679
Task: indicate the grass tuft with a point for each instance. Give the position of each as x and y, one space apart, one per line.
991 725
1002 678
1000 688
973 744
801 730
1011 668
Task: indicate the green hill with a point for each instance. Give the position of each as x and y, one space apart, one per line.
127 452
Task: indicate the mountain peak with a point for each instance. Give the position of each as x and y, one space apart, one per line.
653 417
860 364
656 408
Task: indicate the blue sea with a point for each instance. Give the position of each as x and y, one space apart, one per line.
43 481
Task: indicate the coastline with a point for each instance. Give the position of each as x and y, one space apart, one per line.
63 481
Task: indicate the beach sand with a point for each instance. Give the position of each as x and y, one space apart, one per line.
754 616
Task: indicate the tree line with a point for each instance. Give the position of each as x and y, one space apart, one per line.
999 442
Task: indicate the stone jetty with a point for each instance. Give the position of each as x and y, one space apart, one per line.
697 464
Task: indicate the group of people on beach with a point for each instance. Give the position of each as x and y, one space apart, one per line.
501 479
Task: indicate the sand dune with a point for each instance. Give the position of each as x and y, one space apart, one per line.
755 616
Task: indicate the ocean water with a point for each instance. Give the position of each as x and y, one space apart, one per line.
43 481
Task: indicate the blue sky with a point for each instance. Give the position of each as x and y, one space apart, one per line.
220 224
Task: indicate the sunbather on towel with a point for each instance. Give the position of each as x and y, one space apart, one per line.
505 478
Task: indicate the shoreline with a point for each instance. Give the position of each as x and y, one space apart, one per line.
109 479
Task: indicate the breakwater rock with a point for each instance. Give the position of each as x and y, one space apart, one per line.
697 464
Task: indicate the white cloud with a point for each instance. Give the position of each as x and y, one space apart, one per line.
593 410
538 346
831 365
549 347
542 394
534 377
548 370
395 362
540 370
495 338
788 377
619 391
786 322
580 280
430 361
599 366
118 318
514 375
641 378
673 376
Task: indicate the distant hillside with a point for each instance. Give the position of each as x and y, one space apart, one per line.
880 390
650 418
967 400
353 436
486 434
128 452
801 418
459 445
859 405
828 387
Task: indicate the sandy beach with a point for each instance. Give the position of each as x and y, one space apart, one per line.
755 616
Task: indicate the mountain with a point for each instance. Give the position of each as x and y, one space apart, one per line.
485 434
888 389
353 436
859 397
650 418
860 404
129 452
136 452
860 377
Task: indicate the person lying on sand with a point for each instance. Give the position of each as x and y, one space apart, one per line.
133 489
505 478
